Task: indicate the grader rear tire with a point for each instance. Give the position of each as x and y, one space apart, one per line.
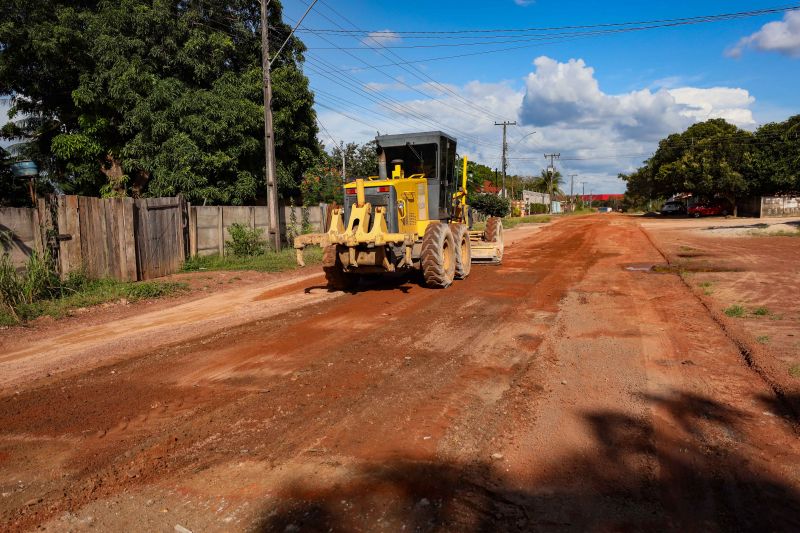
337 278
438 256
494 233
494 230
463 250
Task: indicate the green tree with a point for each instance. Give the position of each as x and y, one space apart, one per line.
155 97
361 160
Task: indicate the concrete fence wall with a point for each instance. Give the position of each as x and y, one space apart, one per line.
208 225
780 206
21 233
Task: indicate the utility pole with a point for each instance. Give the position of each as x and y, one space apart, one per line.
344 174
583 196
571 190
269 133
505 124
551 170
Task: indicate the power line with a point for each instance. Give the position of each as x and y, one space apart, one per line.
310 7
696 19
415 72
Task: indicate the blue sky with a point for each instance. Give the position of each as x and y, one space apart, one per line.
602 101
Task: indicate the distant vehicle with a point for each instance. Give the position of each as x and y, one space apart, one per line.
604 210
673 208
707 209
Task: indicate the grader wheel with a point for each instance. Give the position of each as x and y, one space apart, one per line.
463 250
438 255
337 278
494 234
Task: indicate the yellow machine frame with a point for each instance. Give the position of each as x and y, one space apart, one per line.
361 231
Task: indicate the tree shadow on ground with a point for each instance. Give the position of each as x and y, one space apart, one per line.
684 475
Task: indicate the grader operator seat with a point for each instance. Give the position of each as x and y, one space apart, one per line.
431 155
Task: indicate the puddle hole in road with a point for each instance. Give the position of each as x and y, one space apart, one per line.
662 268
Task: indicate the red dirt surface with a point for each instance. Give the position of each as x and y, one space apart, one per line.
559 391
728 262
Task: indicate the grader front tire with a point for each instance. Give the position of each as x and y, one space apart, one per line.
463 250
438 256
337 278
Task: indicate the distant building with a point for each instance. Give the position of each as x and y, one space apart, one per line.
601 197
489 188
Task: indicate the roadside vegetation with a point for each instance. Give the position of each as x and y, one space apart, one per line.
38 291
717 159
268 261
248 250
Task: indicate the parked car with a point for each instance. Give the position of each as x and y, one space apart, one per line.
706 209
673 208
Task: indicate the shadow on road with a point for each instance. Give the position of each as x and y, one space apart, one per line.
684 475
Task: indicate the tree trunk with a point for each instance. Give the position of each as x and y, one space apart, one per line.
112 168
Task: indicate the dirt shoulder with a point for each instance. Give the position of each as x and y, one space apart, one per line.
747 277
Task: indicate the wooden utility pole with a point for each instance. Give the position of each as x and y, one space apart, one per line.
505 124
551 171
269 134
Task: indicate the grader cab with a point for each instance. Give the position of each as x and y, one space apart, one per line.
412 215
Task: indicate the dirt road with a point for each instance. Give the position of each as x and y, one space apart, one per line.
566 390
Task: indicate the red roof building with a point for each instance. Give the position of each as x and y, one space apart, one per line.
601 197
488 187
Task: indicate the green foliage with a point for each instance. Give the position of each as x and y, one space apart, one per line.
761 311
537 208
735 311
491 205
794 371
36 290
155 98
267 262
245 241
715 158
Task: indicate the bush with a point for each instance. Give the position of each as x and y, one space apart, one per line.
491 205
37 281
537 209
245 241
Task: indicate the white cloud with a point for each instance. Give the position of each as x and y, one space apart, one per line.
598 134
376 39
779 36
524 3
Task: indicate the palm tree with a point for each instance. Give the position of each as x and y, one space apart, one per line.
542 183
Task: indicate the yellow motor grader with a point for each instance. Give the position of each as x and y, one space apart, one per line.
412 215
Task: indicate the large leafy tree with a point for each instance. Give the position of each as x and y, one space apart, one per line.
715 158
155 97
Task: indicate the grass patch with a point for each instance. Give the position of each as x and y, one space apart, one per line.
762 339
88 293
266 262
735 311
794 371
510 222
707 287
761 311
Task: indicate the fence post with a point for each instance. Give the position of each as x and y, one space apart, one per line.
220 234
192 230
